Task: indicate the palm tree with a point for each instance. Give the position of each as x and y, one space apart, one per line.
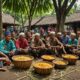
34 7
30 7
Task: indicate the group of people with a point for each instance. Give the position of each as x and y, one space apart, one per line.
36 45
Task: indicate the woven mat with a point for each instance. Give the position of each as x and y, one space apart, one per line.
75 75
7 76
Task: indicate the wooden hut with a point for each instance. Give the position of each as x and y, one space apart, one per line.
74 21
8 20
45 22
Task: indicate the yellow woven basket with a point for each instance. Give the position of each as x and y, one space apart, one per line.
43 70
70 58
21 63
60 64
48 57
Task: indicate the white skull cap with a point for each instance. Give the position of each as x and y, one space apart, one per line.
52 32
22 34
73 34
59 33
37 34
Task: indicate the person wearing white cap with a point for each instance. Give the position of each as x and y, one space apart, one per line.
59 36
54 44
37 45
22 44
73 41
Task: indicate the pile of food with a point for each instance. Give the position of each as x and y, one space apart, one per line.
43 67
22 58
48 57
60 64
22 61
70 58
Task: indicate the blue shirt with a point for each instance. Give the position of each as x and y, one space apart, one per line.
6 47
65 39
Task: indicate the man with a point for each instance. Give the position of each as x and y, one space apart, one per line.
65 38
59 36
13 36
54 44
28 36
22 44
73 41
72 44
37 45
7 46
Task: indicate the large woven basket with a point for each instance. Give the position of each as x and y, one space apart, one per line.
22 64
43 71
71 60
60 66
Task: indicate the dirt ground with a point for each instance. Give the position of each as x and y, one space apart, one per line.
70 73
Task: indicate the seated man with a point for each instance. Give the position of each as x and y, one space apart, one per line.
7 46
22 44
37 45
59 36
72 44
73 41
54 45
65 38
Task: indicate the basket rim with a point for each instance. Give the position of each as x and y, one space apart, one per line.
48 55
77 57
66 62
43 62
22 55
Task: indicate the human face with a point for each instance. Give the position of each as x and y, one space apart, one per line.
13 34
72 37
21 37
28 34
59 36
65 33
52 36
37 37
8 37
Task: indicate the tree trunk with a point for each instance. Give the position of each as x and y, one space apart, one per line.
1 28
14 21
60 24
29 27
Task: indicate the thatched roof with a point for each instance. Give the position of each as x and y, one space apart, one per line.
73 18
34 21
8 19
47 20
